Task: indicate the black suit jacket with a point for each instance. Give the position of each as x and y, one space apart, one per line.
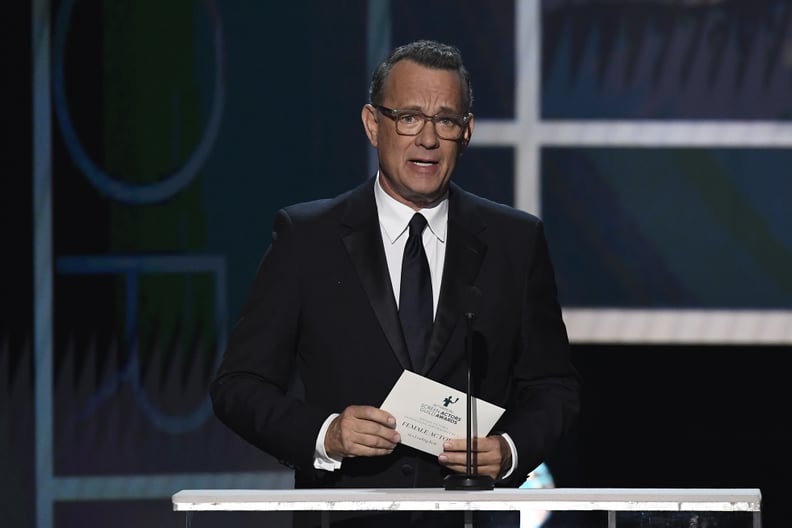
322 302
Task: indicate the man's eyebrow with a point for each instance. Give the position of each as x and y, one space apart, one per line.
443 110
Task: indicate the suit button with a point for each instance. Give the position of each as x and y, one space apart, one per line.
407 470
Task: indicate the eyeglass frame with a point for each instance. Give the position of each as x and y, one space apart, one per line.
394 114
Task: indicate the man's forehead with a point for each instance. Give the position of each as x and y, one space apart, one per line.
421 84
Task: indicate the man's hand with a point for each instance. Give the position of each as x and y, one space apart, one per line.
361 430
489 456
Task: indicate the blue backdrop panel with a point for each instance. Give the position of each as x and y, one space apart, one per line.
666 60
675 228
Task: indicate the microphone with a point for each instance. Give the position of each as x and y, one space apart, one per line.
471 304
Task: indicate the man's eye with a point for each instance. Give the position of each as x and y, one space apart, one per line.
446 121
408 119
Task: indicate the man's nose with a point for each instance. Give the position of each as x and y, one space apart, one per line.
428 137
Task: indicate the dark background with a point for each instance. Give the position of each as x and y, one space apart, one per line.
139 85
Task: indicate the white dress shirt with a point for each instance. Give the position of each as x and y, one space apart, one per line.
394 219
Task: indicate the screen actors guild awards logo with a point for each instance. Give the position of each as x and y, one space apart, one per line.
448 401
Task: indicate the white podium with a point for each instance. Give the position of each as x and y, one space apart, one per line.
526 501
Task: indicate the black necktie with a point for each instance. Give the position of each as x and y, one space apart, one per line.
415 297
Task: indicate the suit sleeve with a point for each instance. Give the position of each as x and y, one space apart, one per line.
250 393
544 401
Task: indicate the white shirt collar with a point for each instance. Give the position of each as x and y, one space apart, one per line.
394 216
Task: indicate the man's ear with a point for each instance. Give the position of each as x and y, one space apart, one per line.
464 141
370 123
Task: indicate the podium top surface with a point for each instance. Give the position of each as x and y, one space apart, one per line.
438 499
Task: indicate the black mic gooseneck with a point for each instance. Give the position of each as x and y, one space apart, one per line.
471 302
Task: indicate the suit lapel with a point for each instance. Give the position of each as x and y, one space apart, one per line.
360 233
363 240
464 254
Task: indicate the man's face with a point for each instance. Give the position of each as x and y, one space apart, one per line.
415 170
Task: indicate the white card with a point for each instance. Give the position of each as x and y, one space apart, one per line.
428 413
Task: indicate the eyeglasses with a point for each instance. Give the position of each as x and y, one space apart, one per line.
411 122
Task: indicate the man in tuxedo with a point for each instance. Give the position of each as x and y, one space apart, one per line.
327 311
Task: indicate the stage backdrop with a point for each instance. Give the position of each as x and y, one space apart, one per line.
652 137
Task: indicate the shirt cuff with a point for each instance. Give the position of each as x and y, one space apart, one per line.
321 459
513 456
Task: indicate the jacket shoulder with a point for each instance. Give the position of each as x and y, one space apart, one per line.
490 211
325 209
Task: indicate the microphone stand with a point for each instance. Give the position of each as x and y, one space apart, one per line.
469 481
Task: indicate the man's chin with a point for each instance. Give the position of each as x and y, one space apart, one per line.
427 200
427 195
